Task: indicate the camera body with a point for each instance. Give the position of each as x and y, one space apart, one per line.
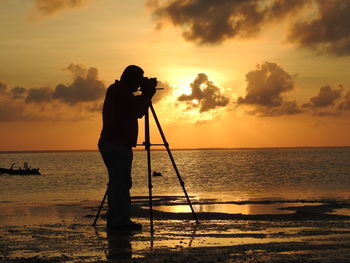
148 83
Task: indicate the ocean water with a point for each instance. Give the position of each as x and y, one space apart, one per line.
229 175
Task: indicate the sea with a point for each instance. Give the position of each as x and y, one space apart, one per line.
223 174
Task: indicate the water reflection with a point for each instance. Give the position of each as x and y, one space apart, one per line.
244 209
30 214
341 211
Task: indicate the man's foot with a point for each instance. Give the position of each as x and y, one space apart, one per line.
129 227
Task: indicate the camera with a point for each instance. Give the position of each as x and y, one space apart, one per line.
148 83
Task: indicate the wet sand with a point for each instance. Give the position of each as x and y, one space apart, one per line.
249 231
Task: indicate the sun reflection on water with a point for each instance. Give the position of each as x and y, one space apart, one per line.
244 209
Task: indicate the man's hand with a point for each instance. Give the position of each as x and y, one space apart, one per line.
149 88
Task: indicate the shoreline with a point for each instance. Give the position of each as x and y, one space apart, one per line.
62 232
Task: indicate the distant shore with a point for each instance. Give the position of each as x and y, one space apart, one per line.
176 149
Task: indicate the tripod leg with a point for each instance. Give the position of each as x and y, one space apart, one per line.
148 149
173 162
100 208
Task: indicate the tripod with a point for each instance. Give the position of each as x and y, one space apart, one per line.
147 144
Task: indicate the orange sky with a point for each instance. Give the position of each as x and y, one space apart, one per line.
268 73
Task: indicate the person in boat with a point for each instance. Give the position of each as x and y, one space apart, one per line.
120 113
25 166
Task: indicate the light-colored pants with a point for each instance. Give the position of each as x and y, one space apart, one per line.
118 160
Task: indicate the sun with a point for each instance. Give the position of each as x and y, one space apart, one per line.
184 88
180 79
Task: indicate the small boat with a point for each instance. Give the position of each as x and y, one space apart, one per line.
26 170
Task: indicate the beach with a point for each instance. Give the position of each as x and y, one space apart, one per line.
302 231
259 205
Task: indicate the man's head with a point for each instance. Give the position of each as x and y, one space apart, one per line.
132 77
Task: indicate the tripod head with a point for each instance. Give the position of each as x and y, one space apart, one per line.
149 85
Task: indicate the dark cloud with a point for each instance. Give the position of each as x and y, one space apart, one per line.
205 93
86 87
2 87
76 69
50 7
39 95
265 86
84 92
328 102
18 92
345 102
211 22
10 110
326 28
326 97
21 104
329 32
286 108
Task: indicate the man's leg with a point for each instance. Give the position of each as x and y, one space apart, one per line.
118 160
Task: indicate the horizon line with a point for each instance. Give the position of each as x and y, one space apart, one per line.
177 149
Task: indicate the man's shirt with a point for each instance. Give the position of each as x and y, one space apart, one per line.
121 109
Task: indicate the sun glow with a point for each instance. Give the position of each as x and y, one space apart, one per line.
183 88
195 101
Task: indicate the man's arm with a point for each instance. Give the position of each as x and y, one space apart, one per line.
141 104
143 101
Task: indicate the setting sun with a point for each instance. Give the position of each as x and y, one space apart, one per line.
183 87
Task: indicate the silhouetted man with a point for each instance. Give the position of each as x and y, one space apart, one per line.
121 109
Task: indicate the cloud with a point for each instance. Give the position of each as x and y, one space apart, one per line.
345 103
265 86
329 102
205 95
51 7
18 92
329 32
325 27
326 97
2 87
83 94
85 91
86 86
160 94
76 69
287 108
39 95
212 22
